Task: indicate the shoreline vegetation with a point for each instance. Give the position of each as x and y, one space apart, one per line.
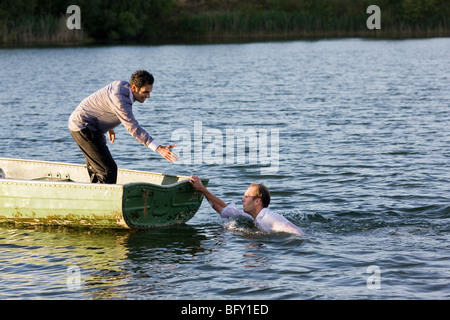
43 22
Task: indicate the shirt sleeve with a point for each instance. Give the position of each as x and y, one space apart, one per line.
231 211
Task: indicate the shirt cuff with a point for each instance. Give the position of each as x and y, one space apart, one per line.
154 145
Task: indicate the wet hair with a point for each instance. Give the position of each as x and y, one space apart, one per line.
263 193
140 78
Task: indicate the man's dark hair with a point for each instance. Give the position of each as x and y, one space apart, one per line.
140 78
262 192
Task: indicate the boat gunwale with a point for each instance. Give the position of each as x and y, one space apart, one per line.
181 178
63 183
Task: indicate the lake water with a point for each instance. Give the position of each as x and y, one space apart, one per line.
356 135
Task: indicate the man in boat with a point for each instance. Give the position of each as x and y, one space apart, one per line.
255 206
100 113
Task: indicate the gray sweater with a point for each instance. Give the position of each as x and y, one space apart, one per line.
107 108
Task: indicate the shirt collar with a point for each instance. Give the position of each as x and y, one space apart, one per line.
262 213
131 96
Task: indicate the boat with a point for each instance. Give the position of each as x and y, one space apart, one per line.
53 193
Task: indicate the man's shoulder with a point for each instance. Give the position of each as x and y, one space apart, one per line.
120 85
271 215
268 212
121 89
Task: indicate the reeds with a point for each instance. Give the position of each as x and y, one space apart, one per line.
280 24
217 20
264 24
40 30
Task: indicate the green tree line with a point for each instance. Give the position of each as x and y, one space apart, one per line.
35 21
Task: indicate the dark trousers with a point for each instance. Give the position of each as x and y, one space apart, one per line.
100 164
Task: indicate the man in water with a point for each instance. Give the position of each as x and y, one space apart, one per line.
102 111
255 206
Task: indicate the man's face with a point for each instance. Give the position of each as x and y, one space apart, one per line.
142 93
249 201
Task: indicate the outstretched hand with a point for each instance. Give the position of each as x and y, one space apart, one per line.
166 152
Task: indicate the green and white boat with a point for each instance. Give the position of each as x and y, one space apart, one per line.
51 193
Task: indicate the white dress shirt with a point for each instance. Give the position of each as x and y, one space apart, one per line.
266 220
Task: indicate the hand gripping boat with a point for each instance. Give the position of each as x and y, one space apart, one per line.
51 193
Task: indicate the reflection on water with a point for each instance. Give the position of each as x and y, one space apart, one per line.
109 260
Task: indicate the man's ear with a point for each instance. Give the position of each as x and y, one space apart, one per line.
134 88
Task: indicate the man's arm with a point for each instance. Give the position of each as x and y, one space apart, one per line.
124 112
215 202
